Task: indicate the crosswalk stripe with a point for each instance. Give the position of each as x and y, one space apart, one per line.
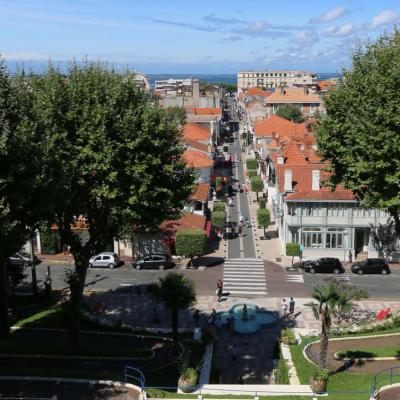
242 277
294 278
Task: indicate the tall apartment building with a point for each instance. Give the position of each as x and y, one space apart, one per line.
271 79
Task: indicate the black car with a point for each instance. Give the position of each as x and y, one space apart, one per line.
371 266
325 265
156 260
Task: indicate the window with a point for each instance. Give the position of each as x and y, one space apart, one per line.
294 233
292 208
106 257
336 238
311 237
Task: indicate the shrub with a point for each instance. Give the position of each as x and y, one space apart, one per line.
320 374
191 242
282 372
288 336
256 184
218 218
251 163
262 203
189 376
218 181
220 206
251 172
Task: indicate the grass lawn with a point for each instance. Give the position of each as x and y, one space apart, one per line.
366 352
357 386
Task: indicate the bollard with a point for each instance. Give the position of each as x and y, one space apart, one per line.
200 397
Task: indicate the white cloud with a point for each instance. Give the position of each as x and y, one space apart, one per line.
385 17
306 38
28 56
340 31
331 15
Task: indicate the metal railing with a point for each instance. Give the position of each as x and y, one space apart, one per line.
135 374
387 376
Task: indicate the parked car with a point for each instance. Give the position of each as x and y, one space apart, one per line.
105 259
325 265
21 258
156 260
371 266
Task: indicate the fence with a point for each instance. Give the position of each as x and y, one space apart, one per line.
386 377
131 373
315 357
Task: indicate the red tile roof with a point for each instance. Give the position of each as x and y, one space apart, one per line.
187 221
325 85
292 96
196 159
201 192
195 132
302 183
256 91
206 111
279 126
197 145
293 155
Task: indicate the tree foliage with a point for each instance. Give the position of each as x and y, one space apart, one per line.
293 250
360 133
218 218
177 292
290 112
219 206
115 159
251 163
256 184
191 242
384 239
178 114
263 218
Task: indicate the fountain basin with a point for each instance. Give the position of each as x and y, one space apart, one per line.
254 319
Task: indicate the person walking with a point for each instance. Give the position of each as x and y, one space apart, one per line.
284 307
196 317
240 229
230 201
292 303
220 287
350 256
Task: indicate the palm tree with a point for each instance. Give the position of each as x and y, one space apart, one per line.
177 292
330 302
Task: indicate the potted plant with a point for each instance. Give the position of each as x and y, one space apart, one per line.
319 380
187 380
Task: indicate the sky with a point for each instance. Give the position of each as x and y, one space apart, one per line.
174 36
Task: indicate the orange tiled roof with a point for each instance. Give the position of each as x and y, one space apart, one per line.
291 96
279 126
302 183
256 91
197 145
195 132
196 159
273 144
206 111
187 221
293 155
325 85
201 192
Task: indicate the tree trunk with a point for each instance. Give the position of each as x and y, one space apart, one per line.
396 218
4 317
324 342
257 196
33 270
174 316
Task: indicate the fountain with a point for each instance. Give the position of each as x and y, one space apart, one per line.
247 318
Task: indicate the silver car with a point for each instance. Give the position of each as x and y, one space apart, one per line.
105 259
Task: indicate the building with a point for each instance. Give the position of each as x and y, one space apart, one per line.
210 118
308 102
142 81
186 93
274 79
327 223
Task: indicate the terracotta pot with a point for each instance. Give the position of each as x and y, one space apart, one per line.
318 385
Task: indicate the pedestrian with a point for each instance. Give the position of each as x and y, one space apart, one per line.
292 303
233 351
350 256
220 287
230 201
284 307
213 317
196 317
240 229
218 323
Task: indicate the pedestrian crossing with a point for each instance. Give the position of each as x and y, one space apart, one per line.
294 278
244 277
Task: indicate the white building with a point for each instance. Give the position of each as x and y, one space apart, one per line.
271 79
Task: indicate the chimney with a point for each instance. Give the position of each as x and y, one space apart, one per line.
288 180
281 160
282 91
315 179
305 90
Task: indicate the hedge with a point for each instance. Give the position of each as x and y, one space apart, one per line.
251 172
293 249
219 206
218 218
251 163
191 242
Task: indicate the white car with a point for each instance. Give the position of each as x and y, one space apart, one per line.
105 259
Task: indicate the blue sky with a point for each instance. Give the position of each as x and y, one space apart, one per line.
220 36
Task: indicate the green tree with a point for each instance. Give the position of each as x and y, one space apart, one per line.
256 184
191 242
329 304
23 197
290 112
251 163
116 159
360 134
178 293
293 250
263 218
177 113
384 239
219 206
251 173
218 218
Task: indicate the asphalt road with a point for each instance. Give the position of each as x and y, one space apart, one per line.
280 282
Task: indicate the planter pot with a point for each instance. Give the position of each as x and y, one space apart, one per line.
318 385
186 386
